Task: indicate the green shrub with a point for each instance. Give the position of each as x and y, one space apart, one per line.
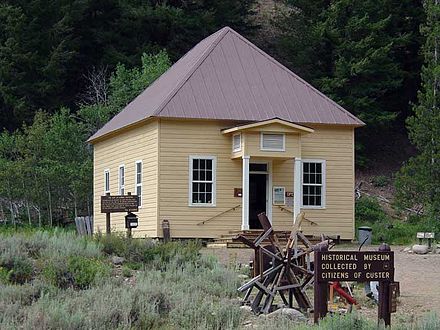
4 275
381 181
55 272
133 265
84 271
20 270
137 251
126 272
369 210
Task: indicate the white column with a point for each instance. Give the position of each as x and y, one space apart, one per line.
297 188
245 195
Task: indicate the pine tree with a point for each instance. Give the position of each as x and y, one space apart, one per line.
363 54
419 179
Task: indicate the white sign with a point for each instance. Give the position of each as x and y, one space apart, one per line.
279 195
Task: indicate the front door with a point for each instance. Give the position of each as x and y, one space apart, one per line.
257 198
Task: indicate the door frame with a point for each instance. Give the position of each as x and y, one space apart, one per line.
268 174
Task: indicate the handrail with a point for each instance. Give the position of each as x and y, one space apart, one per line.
218 215
290 211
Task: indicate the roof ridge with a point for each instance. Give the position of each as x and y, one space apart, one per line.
221 33
273 60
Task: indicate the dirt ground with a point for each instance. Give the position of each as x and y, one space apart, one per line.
419 277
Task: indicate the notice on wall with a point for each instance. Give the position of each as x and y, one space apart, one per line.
279 196
355 266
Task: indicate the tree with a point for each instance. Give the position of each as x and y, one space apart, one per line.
363 54
419 179
46 47
123 86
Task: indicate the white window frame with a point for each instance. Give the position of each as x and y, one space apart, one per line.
284 195
136 184
271 149
214 180
106 191
120 183
322 185
233 146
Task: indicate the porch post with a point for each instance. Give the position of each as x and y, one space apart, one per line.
297 188
245 195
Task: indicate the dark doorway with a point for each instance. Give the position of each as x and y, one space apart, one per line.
257 198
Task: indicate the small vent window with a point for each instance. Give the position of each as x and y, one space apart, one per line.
236 142
272 141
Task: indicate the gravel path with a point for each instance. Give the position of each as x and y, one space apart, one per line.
419 277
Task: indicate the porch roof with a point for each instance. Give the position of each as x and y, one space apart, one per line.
294 127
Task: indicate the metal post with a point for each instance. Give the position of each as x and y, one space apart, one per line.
320 295
107 221
384 312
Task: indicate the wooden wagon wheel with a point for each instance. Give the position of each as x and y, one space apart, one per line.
288 272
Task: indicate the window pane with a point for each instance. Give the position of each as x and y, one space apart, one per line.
196 175
318 200
209 187
208 165
208 198
306 167
138 167
194 198
319 178
209 176
201 187
258 167
306 178
195 164
139 178
202 164
195 187
202 175
122 191
318 190
318 168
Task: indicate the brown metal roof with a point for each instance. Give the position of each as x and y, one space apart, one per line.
227 77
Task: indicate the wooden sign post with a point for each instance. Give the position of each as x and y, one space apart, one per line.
115 204
354 266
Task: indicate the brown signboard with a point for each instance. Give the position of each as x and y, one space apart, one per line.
125 203
354 266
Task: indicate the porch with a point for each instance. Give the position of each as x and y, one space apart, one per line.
260 146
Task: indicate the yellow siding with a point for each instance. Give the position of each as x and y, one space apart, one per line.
165 145
179 140
139 143
336 146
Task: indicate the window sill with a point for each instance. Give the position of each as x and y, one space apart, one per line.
313 207
201 205
273 150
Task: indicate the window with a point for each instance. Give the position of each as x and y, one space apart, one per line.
272 141
138 181
313 187
258 167
121 180
236 142
106 181
202 180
